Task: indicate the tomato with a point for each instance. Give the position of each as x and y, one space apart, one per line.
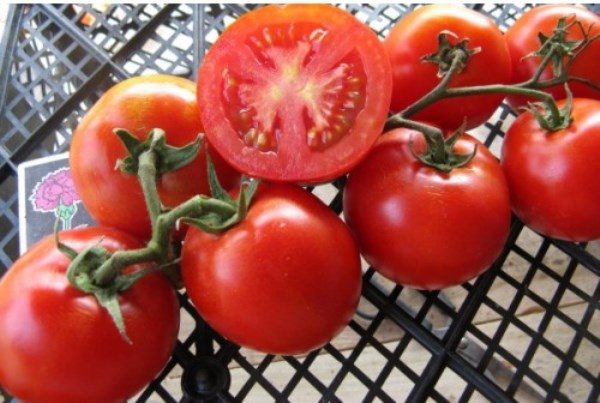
522 40
553 177
421 227
295 93
138 104
283 281
416 35
59 345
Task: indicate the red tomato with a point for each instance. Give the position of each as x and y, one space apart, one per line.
421 227
59 345
522 40
138 104
285 280
553 177
295 93
416 35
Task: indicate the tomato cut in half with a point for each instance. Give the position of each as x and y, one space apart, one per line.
295 93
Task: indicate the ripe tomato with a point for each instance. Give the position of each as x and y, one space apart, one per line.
295 93
416 35
553 177
284 281
421 227
59 345
522 40
138 104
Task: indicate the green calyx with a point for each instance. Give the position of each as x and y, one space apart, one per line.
561 50
80 274
440 152
168 158
447 53
215 222
552 122
98 272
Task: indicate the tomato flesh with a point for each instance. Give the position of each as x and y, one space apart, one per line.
139 104
327 100
296 93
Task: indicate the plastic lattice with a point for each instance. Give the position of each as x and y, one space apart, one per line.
528 329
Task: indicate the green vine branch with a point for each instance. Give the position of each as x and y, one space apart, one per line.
554 50
101 273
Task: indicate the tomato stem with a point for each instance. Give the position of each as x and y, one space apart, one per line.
147 178
157 248
99 272
441 91
540 69
458 62
517 89
555 49
556 81
398 120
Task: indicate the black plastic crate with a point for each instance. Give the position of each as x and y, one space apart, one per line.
528 329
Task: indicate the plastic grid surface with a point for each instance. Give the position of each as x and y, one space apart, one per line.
54 67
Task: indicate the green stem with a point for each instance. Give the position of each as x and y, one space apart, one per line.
433 95
432 134
157 248
147 178
505 89
442 91
540 69
121 259
399 121
549 83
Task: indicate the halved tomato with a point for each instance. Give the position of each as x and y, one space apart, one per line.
295 93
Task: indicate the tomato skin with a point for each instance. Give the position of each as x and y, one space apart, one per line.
423 228
59 345
553 177
416 35
522 40
283 281
292 160
138 104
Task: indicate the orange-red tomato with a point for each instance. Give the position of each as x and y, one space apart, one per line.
138 104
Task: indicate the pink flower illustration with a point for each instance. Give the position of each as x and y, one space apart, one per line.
56 193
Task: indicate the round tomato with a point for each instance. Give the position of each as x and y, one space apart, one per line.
421 227
285 280
295 93
522 40
416 35
138 104
553 176
59 345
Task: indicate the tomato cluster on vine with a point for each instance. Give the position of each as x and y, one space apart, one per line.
295 95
